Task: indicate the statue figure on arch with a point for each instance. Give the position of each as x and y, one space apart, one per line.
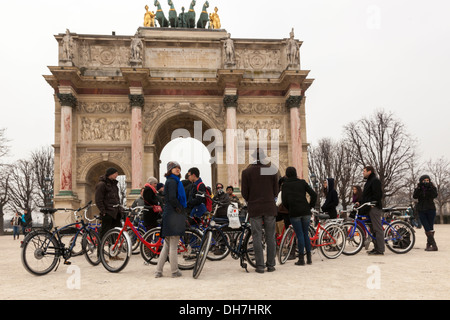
293 51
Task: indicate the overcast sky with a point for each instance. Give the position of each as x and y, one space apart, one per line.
364 55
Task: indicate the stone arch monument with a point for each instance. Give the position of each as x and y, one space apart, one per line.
119 99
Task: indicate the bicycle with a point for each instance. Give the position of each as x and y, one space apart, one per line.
241 249
399 235
42 249
327 234
116 245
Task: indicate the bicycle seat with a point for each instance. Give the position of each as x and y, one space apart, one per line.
48 210
323 216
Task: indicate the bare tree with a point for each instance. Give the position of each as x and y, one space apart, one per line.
440 175
4 193
22 188
42 161
4 148
382 141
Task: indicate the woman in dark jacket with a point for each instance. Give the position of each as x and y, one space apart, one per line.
173 219
293 194
331 198
425 193
151 199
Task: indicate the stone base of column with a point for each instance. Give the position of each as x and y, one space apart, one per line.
68 201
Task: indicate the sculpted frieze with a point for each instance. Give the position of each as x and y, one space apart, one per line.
258 59
104 129
250 129
103 107
261 108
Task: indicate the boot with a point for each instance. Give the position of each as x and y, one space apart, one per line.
430 238
428 246
301 260
308 258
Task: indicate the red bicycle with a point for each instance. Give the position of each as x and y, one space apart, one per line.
115 248
328 235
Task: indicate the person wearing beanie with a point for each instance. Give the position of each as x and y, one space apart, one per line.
106 198
425 193
173 219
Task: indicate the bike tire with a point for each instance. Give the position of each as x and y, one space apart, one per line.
355 243
202 254
188 248
152 236
400 237
332 241
40 252
286 245
90 244
248 248
219 250
115 257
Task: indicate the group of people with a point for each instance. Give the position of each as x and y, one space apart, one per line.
189 196
20 221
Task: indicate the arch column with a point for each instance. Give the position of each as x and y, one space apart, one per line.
293 104
137 146
230 103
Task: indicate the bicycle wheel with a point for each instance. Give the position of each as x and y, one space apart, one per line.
151 255
332 241
354 240
115 251
90 243
188 248
219 250
400 237
286 245
40 252
248 247
202 254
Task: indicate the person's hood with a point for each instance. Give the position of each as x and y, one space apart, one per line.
425 176
330 182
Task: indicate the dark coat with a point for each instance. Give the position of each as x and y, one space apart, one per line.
259 191
372 192
293 196
425 194
192 199
331 200
173 217
107 196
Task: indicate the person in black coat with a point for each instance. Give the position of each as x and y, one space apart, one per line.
150 196
331 198
425 193
107 200
372 192
293 195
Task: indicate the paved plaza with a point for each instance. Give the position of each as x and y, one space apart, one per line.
415 275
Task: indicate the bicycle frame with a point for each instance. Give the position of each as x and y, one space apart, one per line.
364 225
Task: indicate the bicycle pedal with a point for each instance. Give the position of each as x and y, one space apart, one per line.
67 263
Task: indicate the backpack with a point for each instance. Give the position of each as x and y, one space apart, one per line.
208 202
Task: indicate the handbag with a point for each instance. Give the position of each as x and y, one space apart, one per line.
157 209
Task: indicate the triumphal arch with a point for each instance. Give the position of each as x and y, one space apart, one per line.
120 98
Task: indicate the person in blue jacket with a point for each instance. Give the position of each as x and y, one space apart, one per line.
173 219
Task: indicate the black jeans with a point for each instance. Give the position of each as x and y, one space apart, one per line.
109 223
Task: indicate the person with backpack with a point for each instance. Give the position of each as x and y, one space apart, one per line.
199 198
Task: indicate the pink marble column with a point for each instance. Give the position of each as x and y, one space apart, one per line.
232 162
137 146
293 103
68 102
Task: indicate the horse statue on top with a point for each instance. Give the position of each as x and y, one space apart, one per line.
190 16
204 18
163 22
173 18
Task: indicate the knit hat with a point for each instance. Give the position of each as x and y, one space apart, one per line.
110 171
172 164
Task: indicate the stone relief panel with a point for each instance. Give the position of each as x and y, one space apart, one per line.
258 59
103 107
94 129
261 108
103 56
250 128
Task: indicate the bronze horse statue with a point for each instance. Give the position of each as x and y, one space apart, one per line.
190 16
173 18
163 22
204 18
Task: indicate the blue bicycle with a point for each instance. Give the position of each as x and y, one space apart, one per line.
399 235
